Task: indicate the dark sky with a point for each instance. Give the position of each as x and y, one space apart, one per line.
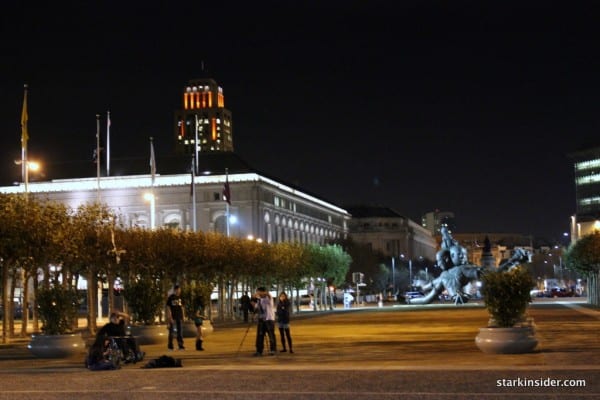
415 105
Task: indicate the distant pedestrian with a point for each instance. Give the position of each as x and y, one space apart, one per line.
283 320
266 321
174 311
348 298
245 305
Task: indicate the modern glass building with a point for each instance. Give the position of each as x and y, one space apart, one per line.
586 165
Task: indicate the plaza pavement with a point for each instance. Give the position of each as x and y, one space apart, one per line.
407 352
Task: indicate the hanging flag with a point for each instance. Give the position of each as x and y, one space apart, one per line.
24 118
152 161
226 191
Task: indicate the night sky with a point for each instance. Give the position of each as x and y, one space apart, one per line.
414 105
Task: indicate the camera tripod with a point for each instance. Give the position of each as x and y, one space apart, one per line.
266 336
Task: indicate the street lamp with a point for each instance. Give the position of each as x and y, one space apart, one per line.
393 276
409 271
27 166
151 198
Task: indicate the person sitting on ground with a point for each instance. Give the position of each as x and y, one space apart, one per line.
97 359
116 328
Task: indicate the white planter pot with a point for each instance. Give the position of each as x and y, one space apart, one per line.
515 340
149 334
56 346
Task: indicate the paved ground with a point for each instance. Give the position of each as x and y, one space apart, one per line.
420 352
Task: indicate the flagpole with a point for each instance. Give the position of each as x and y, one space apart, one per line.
196 144
153 174
98 157
108 143
24 139
228 199
193 194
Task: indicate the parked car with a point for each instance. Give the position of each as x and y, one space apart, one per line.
560 292
407 296
17 311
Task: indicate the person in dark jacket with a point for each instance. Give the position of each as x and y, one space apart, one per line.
116 328
283 320
245 305
175 318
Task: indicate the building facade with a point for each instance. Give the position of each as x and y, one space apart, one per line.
586 166
261 208
390 233
434 220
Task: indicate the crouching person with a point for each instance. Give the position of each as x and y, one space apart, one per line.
98 358
115 329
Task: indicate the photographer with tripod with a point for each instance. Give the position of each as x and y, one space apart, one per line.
264 309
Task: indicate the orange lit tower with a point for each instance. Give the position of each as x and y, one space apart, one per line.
204 121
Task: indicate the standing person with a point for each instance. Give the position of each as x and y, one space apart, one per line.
245 305
199 321
266 321
283 319
175 318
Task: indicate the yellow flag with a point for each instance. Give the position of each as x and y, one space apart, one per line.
24 117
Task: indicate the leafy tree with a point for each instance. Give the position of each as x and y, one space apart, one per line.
507 294
382 279
145 297
57 307
584 257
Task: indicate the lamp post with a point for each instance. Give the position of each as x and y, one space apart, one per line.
393 277
151 198
409 271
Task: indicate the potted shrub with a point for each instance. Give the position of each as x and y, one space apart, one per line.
57 308
506 296
145 301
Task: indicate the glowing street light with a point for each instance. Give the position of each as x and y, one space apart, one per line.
28 166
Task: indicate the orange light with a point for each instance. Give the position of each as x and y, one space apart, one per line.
182 128
214 128
209 99
185 101
197 100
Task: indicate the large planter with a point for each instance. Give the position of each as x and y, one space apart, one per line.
56 346
149 334
515 340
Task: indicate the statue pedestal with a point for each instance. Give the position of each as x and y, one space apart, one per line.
488 261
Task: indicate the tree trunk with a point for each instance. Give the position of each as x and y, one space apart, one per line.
593 288
4 300
92 297
11 315
25 316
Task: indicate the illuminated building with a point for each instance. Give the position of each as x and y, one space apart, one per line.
261 206
586 165
203 120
